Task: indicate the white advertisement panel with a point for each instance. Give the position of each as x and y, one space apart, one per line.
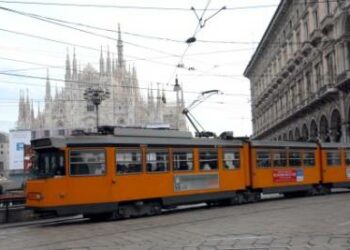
17 140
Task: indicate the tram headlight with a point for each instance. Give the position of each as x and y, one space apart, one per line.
35 196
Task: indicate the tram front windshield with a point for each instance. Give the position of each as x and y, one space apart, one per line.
48 163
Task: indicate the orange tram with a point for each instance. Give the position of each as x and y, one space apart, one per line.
134 172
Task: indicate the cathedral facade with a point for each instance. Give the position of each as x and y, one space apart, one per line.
67 110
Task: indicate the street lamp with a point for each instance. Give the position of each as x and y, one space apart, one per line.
96 96
177 86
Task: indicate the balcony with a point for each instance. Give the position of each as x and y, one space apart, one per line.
279 78
325 94
291 65
298 57
306 48
285 72
316 37
274 83
327 24
343 81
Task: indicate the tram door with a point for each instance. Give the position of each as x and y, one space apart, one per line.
336 165
233 169
89 178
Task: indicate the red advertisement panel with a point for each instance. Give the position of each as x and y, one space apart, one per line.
285 175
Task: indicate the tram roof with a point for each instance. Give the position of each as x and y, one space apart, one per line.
133 137
277 144
334 145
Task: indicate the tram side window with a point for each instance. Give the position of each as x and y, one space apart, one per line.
263 159
294 159
87 162
208 159
279 159
333 158
183 160
157 161
128 161
347 158
309 159
231 159
48 163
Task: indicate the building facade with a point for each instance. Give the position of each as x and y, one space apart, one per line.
67 110
4 153
300 73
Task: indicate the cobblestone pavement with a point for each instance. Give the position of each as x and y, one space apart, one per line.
304 223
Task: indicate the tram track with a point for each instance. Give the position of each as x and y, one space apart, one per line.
182 218
78 219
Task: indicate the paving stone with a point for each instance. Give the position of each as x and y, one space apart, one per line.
293 224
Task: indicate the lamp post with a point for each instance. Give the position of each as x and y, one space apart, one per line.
96 96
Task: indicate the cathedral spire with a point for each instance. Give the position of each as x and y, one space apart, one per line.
182 98
163 95
75 72
39 111
48 87
113 66
68 71
20 110
108 63
32 116
120 48
56 92
101 63
158 93
27 110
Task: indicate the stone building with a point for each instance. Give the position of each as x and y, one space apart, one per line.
4 153
67 110
300 73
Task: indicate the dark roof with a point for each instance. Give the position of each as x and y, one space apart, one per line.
334 145
134 137
275 144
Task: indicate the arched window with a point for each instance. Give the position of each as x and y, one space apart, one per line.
297 134
324 136
290 137
284 136
313 131
335 126
305 133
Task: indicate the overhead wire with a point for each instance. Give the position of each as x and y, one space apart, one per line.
98 83
157 8
154 8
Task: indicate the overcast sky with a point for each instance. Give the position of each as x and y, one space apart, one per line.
235 33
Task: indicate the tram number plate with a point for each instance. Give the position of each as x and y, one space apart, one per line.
288 175
196 182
